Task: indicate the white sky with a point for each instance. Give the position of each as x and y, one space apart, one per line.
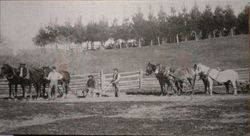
20 20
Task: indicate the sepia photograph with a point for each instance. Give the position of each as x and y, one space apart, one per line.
124 67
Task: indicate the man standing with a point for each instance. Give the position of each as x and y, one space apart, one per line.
115 81
53 76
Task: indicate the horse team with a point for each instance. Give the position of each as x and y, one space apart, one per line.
175 79
187 76
33 76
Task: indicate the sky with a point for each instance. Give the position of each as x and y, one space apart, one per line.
21 20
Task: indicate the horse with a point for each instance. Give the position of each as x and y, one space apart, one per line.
180 76
12 75
64 82
151 68
36 77
225 77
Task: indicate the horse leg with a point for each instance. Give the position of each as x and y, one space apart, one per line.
227 87
234 86
162 90
37 90
177 87
210 81
190 82
43 89
205 85
23 89
10 91
64 89
15 94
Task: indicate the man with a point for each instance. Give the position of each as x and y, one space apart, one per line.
115 81
90 86
23 71
53 76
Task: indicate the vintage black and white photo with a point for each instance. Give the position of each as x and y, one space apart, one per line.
125 67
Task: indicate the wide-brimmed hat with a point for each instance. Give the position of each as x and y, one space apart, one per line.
91 76
22 64
116 69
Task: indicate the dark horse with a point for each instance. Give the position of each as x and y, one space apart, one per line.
12 75
151 68
64 82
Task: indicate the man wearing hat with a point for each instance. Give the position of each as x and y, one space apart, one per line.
115 81
23 71
53 76
90 86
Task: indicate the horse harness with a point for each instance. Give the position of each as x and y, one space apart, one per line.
208 72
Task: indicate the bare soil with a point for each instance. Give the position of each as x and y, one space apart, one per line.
129 115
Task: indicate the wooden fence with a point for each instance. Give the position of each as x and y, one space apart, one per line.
129 80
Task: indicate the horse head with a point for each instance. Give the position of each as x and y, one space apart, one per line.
198 68
46 70
7 71
150 68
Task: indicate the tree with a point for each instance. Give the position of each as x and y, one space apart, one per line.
103 32
79 32
162 24
242 21
138 24
150 26
230 20
42 38
92 31
195 16
219 20
206 23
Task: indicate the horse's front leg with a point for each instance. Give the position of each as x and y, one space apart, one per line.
23 89
210 81
191 84
177 87
227 87
162 89
38 90
15 93
205 85
234 83
43 89
30 93
64 91
10 91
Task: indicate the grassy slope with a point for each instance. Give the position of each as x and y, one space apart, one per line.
224 52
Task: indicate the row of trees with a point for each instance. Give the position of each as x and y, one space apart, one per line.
181 26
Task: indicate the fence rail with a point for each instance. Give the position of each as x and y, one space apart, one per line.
129 80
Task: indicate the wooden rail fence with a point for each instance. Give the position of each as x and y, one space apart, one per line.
129 80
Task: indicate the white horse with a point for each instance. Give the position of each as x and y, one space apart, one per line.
225 76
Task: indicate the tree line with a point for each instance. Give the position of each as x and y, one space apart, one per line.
175 27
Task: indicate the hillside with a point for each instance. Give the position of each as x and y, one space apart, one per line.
223 52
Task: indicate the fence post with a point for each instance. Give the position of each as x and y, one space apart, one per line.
102 79
140 78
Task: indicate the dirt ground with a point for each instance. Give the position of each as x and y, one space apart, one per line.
223 115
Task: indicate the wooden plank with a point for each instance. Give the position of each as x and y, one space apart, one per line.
85 75
241 69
